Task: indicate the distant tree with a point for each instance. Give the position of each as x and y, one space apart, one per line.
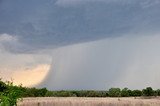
42 92
31 92
82 93
103 94
158 92
148 92
34 92
155 93
130 92
64 94
136 93
114 92
125 92
49 94
94 94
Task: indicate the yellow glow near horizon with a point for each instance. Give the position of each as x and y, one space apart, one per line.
28 77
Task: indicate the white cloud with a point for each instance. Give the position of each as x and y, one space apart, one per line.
7 38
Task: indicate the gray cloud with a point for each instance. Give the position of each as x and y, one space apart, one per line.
43 23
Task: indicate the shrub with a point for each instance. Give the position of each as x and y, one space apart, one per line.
3 86
10 95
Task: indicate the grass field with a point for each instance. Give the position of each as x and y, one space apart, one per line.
73 101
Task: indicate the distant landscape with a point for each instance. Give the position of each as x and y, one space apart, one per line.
11 95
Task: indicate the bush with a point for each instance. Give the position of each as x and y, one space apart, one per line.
10 95
3 86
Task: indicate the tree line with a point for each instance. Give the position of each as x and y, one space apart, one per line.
112 92
9 93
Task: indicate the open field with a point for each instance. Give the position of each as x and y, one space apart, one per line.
73 101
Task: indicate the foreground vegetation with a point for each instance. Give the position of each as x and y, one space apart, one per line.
9 93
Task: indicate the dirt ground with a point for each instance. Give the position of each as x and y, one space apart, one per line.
74 101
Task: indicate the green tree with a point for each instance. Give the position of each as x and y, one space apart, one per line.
103 94
136 93
130 92
50 94
148 91
42 92
125 92
64 94
82 93
93 94
114 92
158 92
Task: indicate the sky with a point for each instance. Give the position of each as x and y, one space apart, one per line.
80 44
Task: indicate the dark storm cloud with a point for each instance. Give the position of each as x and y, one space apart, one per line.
53 23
